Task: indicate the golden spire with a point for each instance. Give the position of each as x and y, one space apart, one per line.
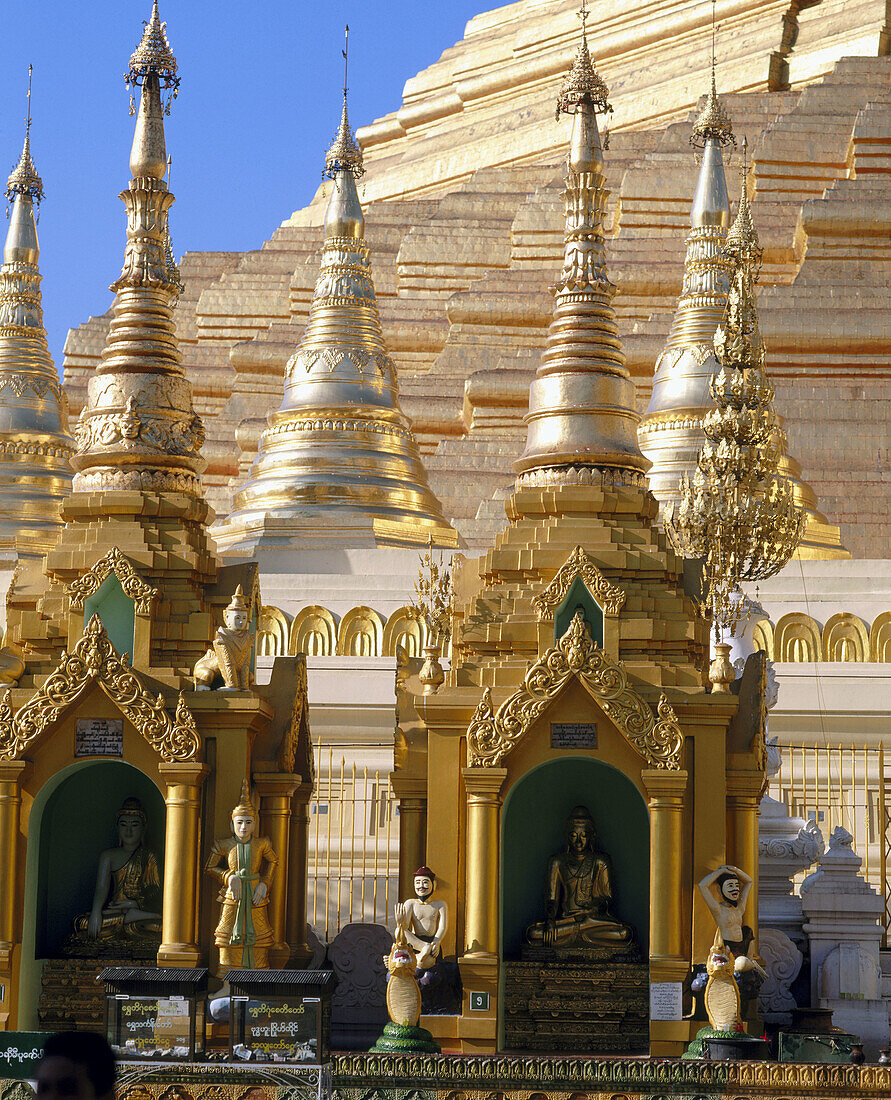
35 443
338 461
138 429
737 514
581 421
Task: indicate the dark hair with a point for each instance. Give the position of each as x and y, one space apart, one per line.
88 1049
725 876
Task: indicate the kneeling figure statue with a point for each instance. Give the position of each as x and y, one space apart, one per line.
579 894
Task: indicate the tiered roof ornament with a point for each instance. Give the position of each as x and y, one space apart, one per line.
35 443
581 420
138 429
737 514
338 460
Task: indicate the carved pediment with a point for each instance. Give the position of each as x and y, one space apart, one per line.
657 737
94 660
115 562
578 564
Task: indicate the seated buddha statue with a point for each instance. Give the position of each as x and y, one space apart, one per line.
126 908
579 892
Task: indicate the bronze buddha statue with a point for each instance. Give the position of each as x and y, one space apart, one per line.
579 892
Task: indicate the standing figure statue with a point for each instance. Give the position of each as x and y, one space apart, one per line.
126 908
726 892
229 658
579 892
245 866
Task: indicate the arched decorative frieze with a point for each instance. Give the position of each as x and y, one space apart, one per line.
880 638
272 632
762 637
139 591
313 632
578 564
796 638
95 660
658 739
845 638
361 633
405 629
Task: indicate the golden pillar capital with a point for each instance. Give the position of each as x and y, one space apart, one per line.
666 790
275 790
483 787
10 811
179 936
295 907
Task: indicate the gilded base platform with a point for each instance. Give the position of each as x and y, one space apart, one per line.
576 1007
509 1077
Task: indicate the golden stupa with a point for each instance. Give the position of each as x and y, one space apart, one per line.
35 444
338 460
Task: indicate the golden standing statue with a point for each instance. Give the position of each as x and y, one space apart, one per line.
245 866
229 657
579 894
127 898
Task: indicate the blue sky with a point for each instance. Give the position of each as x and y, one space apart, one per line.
258 106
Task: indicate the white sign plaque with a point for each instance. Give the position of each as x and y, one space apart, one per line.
99 737
666 1001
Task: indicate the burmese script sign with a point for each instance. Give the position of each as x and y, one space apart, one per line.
99 737
279 1028
666 1001
573 735
151 1024
19 1054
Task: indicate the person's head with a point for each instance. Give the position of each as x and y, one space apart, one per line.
425 883
131 823
579 830
728 887
76 1065
244 816
236 614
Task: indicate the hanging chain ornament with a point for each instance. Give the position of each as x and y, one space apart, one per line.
737 515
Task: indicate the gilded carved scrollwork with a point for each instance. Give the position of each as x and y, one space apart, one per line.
658 738
578 564
95 660
115 562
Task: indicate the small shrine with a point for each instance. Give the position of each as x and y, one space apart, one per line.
574 749
132 724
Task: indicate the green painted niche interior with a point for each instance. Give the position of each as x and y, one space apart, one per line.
578 598
117 612
534 828
77 823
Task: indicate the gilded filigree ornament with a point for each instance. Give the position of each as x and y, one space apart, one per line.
578 564
657 738
736 514
432 599
583 82
344 155
94 660
115 562
153 55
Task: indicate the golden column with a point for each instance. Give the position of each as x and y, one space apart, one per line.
275 790
10 808
298 838
483 786
669 956
179 945
743 808
411 793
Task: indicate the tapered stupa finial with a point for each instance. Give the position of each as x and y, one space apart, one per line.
581 420
35 443
338 462
138 429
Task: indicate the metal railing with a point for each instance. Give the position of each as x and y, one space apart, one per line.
843 785
353 845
